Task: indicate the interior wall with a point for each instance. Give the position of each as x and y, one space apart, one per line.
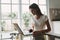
54 3
47 1
56 24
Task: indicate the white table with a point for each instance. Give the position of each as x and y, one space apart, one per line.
52 36
6 34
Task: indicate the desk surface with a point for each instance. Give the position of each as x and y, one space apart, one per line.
53 34
8 31
50 34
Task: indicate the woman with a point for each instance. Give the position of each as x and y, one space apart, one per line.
39 21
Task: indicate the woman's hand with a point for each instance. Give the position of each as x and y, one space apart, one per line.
37 33
30 30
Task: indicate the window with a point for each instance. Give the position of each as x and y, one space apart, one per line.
12 11
9 14
9 11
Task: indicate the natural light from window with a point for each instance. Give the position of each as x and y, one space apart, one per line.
14 11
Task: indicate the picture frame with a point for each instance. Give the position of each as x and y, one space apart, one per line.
54 14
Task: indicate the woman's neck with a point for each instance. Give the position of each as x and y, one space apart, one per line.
38 16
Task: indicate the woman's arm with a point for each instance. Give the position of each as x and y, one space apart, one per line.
46 30
48 27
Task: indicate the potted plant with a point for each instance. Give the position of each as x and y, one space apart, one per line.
2 23
26 19
12 15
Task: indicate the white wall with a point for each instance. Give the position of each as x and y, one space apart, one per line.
56 24
54 3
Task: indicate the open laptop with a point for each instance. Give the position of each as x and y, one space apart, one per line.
20 30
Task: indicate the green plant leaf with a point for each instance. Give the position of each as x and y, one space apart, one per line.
26 17
12 15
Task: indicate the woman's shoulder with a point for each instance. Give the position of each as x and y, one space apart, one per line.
45 17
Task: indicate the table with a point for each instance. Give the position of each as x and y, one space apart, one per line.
52 36
6 34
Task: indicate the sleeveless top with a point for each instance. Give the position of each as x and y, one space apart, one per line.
39 23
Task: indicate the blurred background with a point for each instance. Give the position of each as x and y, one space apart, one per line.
17 11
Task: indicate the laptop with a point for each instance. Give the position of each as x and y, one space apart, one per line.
20 30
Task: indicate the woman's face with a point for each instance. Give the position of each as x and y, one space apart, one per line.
33 11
